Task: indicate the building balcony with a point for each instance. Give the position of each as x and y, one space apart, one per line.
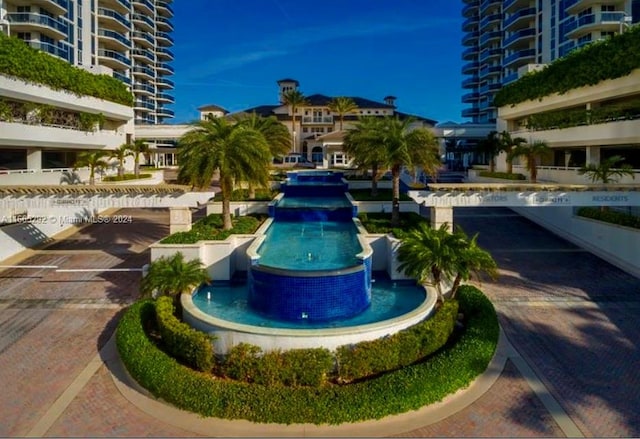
144 55
122 6
519 58
470 98
145 120
470 24
520 19
573 7
164 112
60 51
487 37
487 105
144 7
114 20
514 5
164 69
143 39
142 22
317 120
472 7
113 39
113 59
121 77
470 54
164 8
490 20
487 6
470 39
164 24
511 77
165 98
144 73
488 54
519 38
490 71
471 82
162 53
164 38
470 68
144 89
470 112
56 7
164 83
490 88
144 105
601 21
34 22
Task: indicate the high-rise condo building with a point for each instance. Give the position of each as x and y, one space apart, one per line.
504 39
129 39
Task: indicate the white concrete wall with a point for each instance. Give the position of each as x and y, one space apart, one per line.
41 177
366 184
21 135
239 208
385 206
617 245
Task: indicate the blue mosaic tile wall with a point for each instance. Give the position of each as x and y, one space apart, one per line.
314 190
312 214
318 298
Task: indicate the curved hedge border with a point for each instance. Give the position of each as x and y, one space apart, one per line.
610 216
608 59
22 61
453 367
503 175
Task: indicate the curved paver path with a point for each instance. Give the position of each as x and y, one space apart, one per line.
570 317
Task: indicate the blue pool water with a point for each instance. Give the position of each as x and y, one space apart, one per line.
310 245
319 202
389 299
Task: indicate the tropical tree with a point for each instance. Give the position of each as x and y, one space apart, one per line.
236 151
490 147
172 276
507 143
137 147
342 105
94 160
404 146
294 99
120 154
607 171
435 256
532 153
364 144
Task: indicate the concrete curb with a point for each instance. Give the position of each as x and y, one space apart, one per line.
384 427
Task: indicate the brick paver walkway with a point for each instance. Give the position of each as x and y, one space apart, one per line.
570 315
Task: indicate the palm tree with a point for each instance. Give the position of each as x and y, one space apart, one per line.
342 105
94 160
137 147
274 132
606 171
532 153
236 151
120 154
507 143
472 261
405 147
294 99
363 143
172 276
490 146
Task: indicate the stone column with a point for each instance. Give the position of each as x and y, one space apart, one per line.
441 215
593 155
179 219
34 159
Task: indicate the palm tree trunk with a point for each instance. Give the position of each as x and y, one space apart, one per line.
533 169
435 273
492 165
341 119
456 285
136 165
225 189
395 203
92 175
121 170
374 180
509 166
252 192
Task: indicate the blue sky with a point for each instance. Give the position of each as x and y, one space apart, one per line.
232 52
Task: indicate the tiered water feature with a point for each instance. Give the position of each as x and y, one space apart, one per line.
309 280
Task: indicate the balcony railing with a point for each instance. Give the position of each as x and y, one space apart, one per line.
470 38
317 119
38 19
164 35
144 35
165 67
488 36
489 19
115 35
122 77
59 51
115 15
145 71
522 13
524 33
489 53
144 53
470 82
519 55
164 5
149 105
165 83
114 55
144 19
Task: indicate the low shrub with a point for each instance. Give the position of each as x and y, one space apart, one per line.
210 229
261 195
383 195
610 216
503 175
125 177
297 367
451 368
181 340
381 222
376 356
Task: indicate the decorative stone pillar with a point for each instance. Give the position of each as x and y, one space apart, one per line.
34 158
593 155
179 219
441 215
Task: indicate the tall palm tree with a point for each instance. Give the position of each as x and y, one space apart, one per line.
490 147
532 153
294 99
236 151
342 105
120 154
607 170
94 160
137 147
172 276
507 143
364 144
404 146
472 261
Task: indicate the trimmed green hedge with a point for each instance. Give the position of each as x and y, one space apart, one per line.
381 222
383 195
610 216
181 340
125 177
582 116
398 350
452 368
504 175
22 61
261 195
607 59
210 228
